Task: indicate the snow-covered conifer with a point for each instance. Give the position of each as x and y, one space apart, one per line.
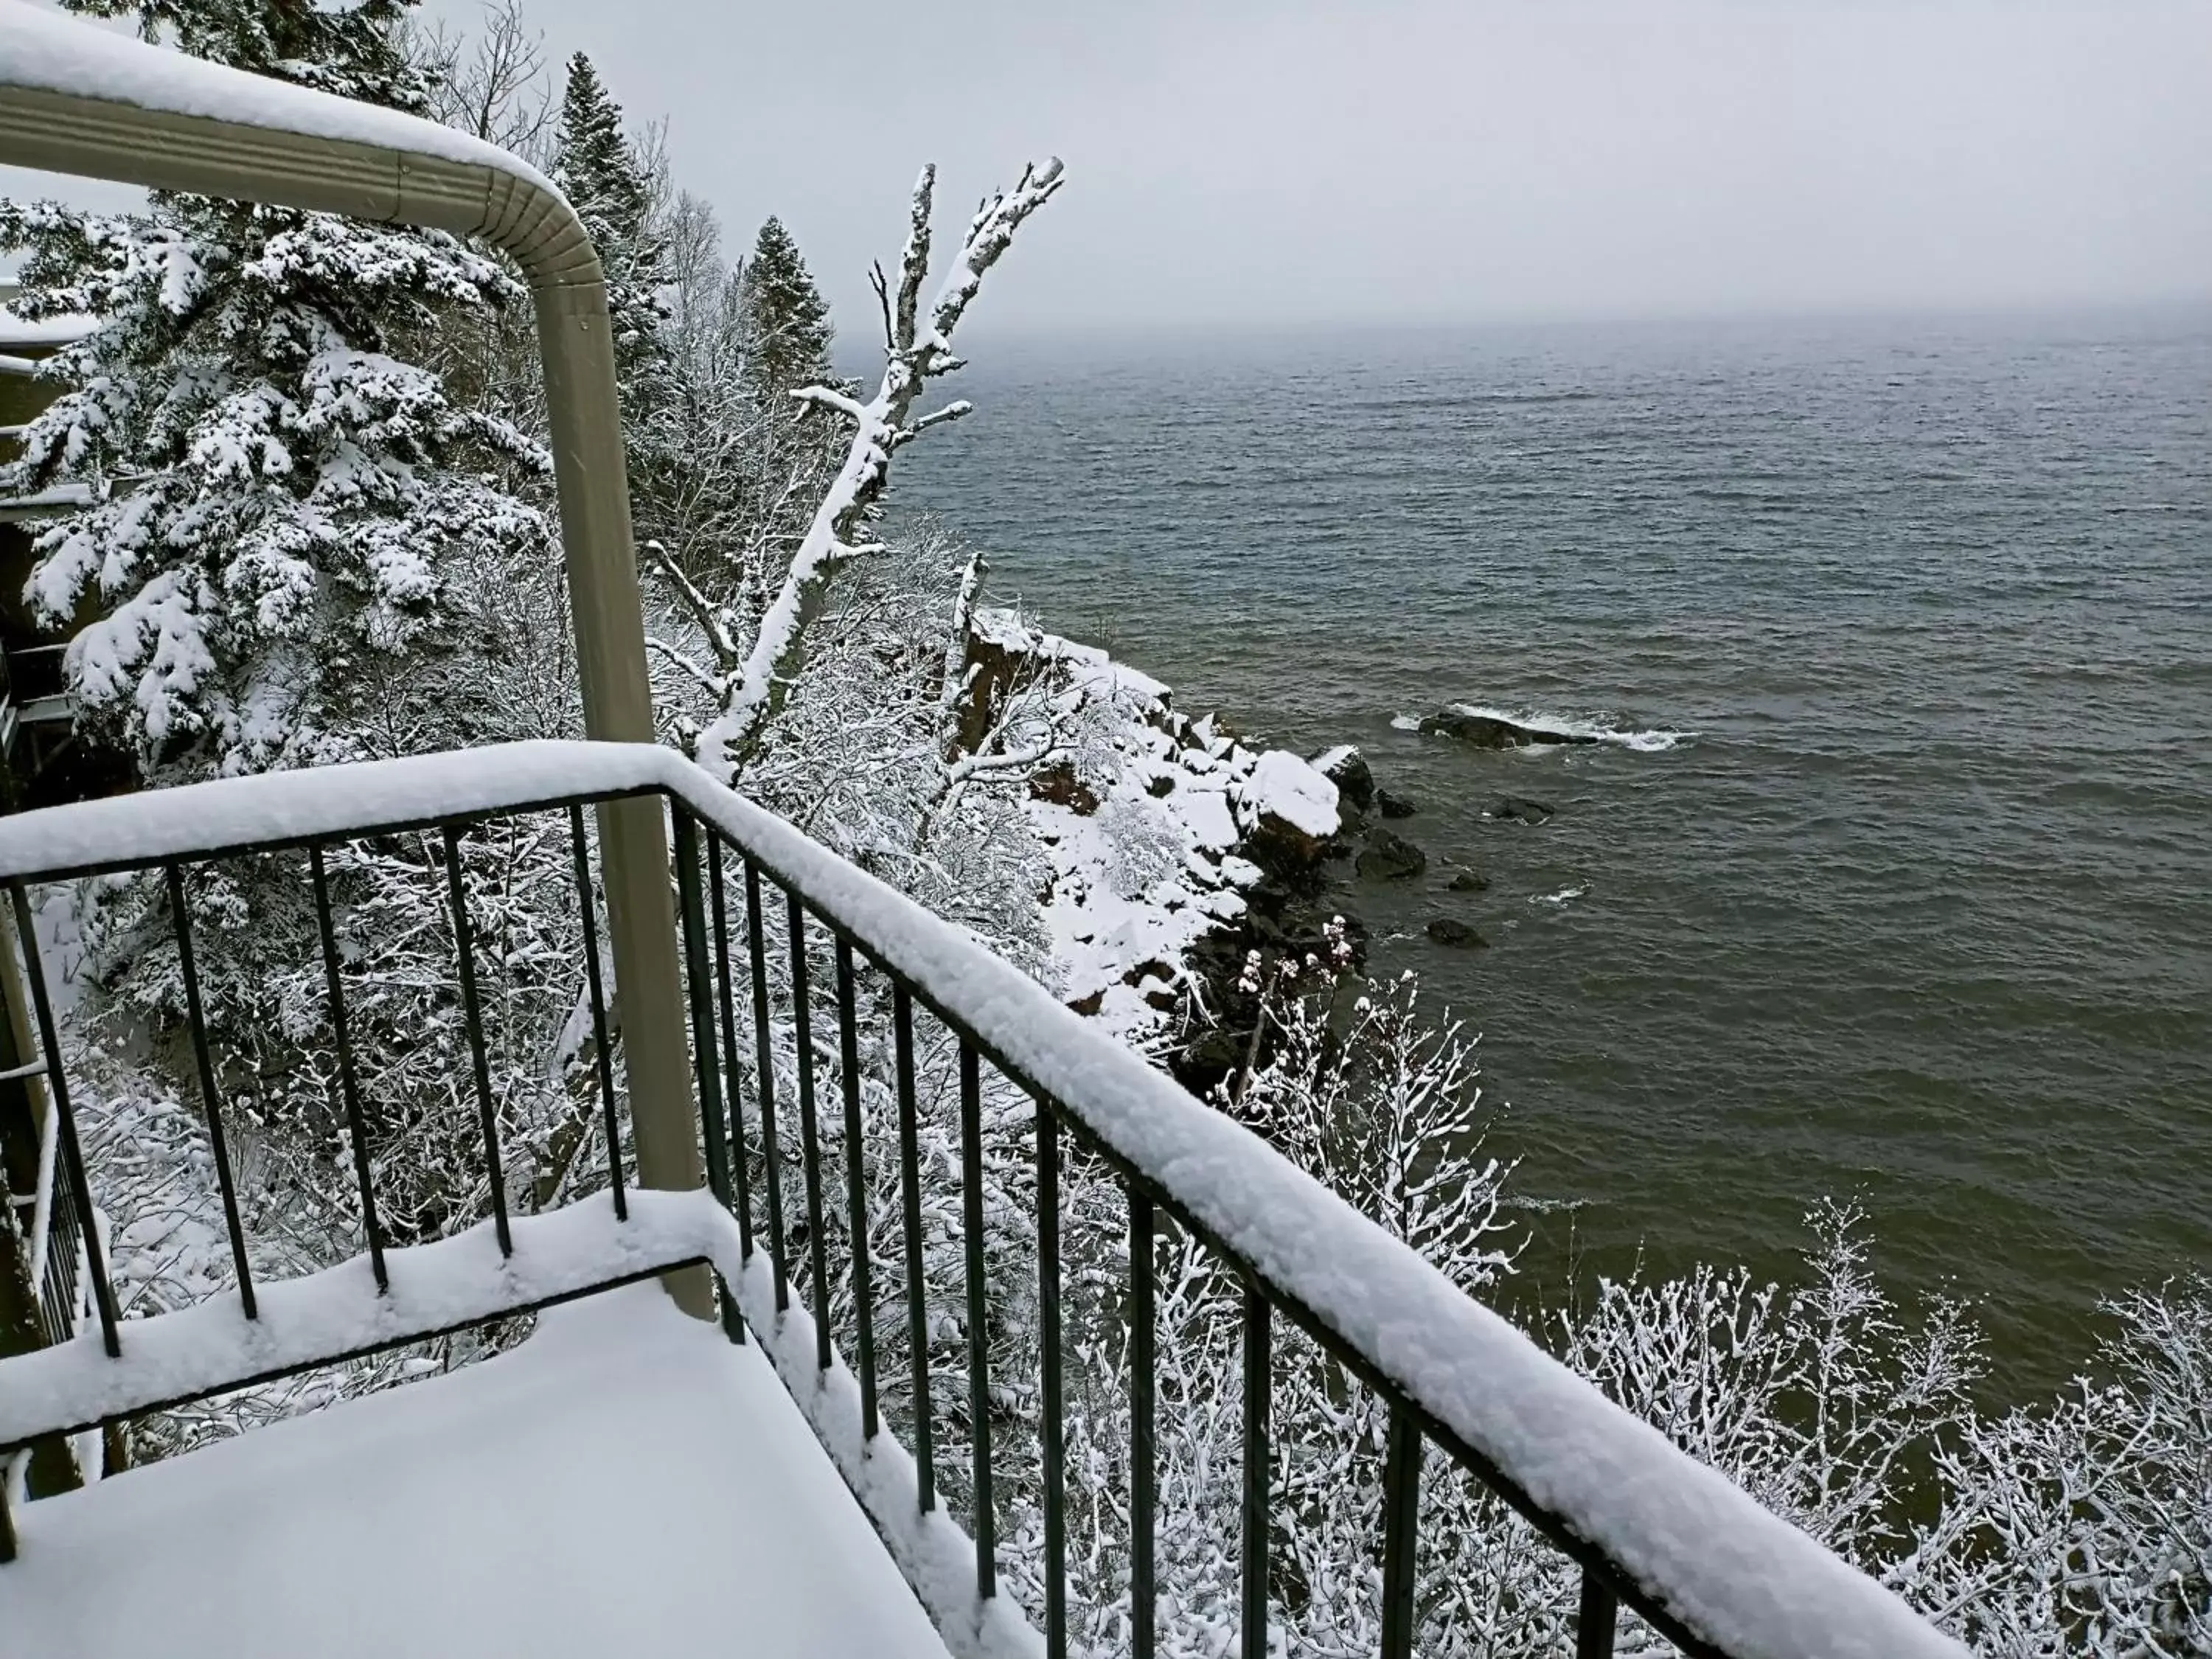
598 169
276 491
785 320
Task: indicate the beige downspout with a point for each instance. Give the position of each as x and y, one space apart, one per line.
68 132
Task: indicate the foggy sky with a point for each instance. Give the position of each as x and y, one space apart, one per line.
1416 160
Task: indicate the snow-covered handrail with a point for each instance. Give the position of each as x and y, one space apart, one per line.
1686 1547
274 809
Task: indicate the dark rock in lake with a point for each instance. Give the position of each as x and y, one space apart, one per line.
1388 856
1393 806
1512 809
1488 732
1467 881
1348 770
1457 934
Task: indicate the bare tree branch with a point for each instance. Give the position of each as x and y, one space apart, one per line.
757 692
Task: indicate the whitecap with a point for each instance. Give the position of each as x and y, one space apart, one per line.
1561 897
1405 723
1600 726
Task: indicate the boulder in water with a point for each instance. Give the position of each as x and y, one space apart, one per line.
1512 809
1467 881
1393 806
1457 934
1390 857
1493 732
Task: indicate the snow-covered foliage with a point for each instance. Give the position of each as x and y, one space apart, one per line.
279 493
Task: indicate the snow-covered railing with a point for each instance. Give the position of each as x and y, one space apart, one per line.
118 1368
1651 1528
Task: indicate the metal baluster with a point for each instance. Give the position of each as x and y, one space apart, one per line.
979 1336
1401 1514
1054 1428
741 1176
61 1302
473 1016
917 1290
698 984
606 1066
1594 1625
348 1088
103 1292
209 1099
1143 1468
810 1135
856 1192
1258 1391
764 1069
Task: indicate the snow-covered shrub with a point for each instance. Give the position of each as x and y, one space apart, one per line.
2084 1526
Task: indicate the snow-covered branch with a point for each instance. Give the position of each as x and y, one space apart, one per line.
712 620
917 355
831 397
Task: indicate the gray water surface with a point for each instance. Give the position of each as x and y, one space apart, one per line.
1917 906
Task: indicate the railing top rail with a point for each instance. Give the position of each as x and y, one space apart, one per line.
1689 1546
275 809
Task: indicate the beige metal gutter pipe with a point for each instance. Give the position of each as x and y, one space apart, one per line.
78 100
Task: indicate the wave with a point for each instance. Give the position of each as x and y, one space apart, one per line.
1655 741
1561 897
1472 399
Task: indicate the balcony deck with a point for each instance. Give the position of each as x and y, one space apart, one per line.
625 1482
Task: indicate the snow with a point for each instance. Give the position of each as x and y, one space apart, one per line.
18 331
1282 785
1741 1577
624 1482
937 1557
43 52
232 812
54 496
433 1287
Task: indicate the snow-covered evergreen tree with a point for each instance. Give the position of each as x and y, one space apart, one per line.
598 169
277 493
785 320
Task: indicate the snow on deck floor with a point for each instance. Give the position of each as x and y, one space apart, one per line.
626 1482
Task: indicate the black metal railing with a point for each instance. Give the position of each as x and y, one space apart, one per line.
76 1285
752 1014
709 954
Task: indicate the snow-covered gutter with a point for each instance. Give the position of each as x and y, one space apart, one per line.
1690 1546
78 100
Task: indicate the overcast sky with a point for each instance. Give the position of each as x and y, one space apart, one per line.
1323 160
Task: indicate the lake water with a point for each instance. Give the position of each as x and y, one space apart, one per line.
1897 883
